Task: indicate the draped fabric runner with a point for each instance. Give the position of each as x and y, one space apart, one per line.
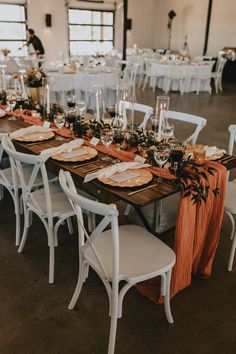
197 230
196 238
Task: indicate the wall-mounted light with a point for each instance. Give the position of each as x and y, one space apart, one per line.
48 20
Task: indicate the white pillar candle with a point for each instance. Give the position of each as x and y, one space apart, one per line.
162 115
15 84
97 107
22 85
47 99
4 82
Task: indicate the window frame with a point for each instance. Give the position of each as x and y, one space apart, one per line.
91 25
9 21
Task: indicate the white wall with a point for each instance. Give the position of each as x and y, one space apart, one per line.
149 23
190 20
222 29
55 38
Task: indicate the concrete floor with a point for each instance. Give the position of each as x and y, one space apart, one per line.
33 314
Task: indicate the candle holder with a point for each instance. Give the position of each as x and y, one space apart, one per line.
125 104
162 106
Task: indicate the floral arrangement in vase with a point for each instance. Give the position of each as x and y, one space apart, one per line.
34 77
5 51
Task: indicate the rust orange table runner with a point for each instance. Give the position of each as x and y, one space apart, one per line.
196 238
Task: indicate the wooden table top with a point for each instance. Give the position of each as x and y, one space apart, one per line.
99 190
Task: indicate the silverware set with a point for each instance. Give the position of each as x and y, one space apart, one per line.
226 159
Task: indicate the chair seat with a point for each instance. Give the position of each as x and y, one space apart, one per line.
141 253
60 204
230 197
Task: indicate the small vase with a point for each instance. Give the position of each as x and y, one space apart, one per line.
35 94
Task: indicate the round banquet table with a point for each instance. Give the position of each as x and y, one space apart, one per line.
82 84
188 72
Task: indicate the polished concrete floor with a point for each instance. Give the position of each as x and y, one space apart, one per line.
33 314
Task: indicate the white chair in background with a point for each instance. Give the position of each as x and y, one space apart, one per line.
202 77
198 122
230 199
127 253
138 107
147 74
217 75
48 202
174 75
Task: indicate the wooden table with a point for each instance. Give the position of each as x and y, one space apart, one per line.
99 190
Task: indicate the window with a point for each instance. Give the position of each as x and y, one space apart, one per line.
90 31
12 28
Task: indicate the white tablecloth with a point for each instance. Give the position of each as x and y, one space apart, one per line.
190 73
83 84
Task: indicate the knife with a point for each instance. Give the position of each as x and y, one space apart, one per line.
143 189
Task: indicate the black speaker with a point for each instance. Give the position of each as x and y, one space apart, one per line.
129 24
48 20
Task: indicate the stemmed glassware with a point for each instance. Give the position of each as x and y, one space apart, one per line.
117 127
71 101
59 120
106 137
81 106
11 102
161 155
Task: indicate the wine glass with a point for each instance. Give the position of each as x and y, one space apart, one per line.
11 102
117 128
106 137
59 120
71 101
167 131
111 110
81 105
161 155
70 118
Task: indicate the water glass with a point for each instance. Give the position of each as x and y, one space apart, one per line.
106 137
161 155
59 120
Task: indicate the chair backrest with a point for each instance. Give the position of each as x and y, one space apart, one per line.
232 138
220 66
147 110
29 182
199 122
86 240
4 180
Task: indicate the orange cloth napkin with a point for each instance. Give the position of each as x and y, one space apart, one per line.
196 238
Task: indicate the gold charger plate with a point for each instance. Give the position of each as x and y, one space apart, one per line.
144 177
62 156
189 148
35 136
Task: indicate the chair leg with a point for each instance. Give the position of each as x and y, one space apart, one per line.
232 253
140 80
1 192
167 298
113 324
145 82
127 210
233 224
25 232
79 285
51 264
70 226
17 212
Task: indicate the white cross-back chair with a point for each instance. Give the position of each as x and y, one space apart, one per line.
48 203
202 76
126 253
217 75
138 107
230 199
6 181
197 121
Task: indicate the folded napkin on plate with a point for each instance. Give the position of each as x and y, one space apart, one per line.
28 130
68 147
111 170
2 113
212 150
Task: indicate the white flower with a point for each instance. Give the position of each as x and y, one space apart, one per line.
38 75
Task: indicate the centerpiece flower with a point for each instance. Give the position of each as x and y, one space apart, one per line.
34 80
5 51
34 77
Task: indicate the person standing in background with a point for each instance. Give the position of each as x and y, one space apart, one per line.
36 43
